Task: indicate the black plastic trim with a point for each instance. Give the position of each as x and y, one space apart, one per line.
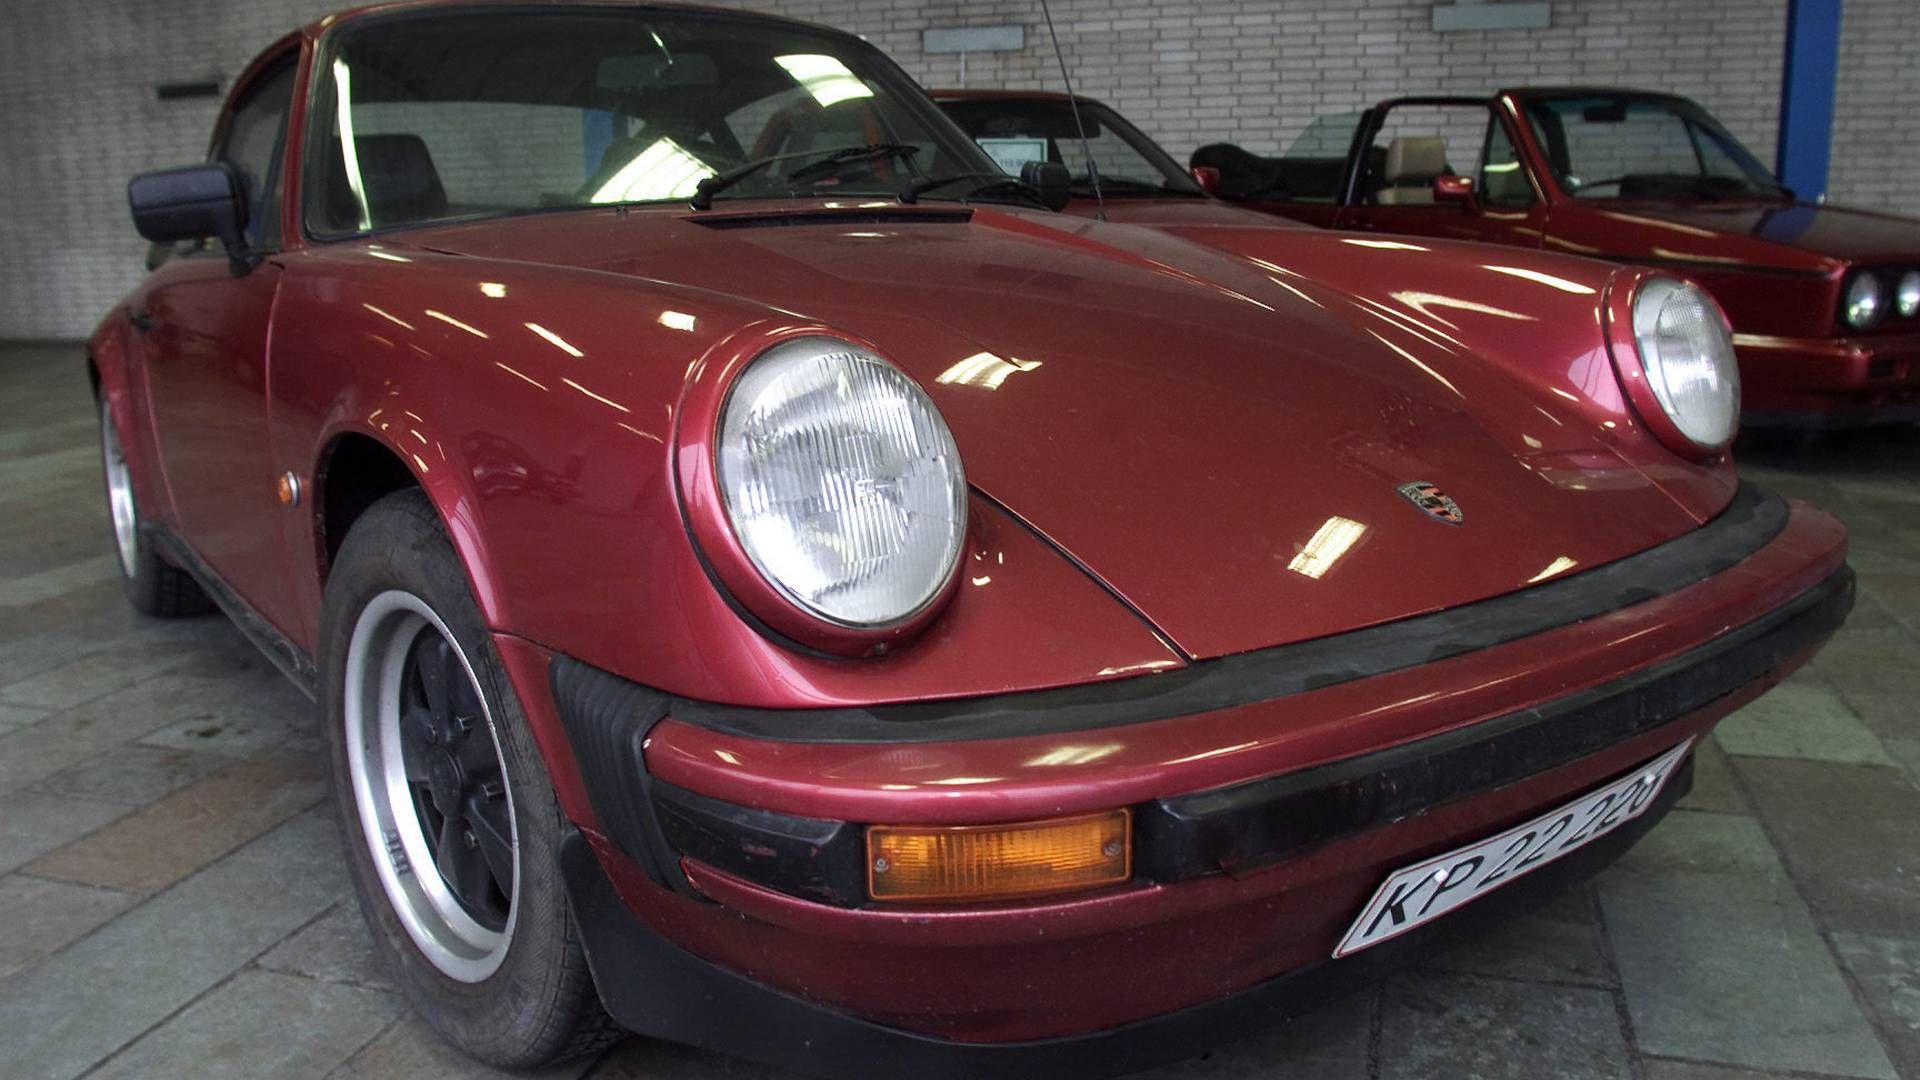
607 720
811 858
1248 825
1749 522
657 989
293 661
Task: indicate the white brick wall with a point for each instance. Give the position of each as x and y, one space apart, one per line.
1876 158
78 113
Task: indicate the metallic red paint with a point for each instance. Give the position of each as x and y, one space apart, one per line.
1157 423
1776 266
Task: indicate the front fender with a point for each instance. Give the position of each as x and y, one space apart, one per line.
536 406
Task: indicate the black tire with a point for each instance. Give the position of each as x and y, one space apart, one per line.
539 1005
154 586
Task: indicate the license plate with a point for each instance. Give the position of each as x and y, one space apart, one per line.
1427 890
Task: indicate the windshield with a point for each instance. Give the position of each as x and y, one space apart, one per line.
479 113
1620 147
1014 131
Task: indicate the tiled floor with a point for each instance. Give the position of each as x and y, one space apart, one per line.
172 901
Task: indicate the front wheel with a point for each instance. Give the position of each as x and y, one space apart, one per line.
449 820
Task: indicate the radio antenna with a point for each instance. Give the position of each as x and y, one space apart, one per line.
1093 170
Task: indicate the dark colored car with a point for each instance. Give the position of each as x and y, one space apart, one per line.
1825 301
574 401
1140 183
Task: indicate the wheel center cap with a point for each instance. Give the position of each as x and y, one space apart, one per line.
447 783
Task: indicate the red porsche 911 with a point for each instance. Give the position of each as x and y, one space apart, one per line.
772 581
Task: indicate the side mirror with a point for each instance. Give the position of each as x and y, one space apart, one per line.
1454 189
1208 178
189 203
1051 179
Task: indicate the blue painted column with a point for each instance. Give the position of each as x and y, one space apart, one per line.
1806 95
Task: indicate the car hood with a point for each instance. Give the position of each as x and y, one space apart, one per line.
1222 449
1837 233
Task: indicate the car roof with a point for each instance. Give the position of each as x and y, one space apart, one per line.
393 7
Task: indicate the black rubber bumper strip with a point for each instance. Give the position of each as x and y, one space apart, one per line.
659 990
1247 825
1180 837
1748 523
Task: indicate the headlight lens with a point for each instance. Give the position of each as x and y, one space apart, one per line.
842 482
1865 297
1906 298
1688 359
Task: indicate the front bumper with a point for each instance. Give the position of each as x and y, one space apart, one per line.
1266 815
1829 382
658 989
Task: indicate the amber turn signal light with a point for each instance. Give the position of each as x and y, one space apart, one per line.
931 864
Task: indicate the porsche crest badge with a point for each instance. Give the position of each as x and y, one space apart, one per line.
1433 501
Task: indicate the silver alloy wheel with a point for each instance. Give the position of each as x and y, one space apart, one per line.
126 521
430 785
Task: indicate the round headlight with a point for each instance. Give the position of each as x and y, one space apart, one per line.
1906 298
1865 297
1688 359
841 482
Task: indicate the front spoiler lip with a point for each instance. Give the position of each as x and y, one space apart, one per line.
720 1010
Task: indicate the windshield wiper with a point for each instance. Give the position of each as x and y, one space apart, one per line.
824 163
983 182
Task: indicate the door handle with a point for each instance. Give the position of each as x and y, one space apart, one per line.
1358 224
141 319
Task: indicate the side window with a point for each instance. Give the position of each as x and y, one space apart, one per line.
1503 180
1416 143
255 133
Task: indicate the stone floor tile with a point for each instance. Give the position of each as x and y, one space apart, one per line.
1857 858
35 822
1674 1069
1799 720
1896 720
15 717
169 839
232 736
1558 943
33 588
41 917
410 1049
336 948
1719 958
87 1001
93 675
1713 783
134 775
1435 1026
314 1027
1887 970
1876 668
1327 1044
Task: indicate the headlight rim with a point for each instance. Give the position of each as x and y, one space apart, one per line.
752 591
1631 368
1900 293
1880 307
